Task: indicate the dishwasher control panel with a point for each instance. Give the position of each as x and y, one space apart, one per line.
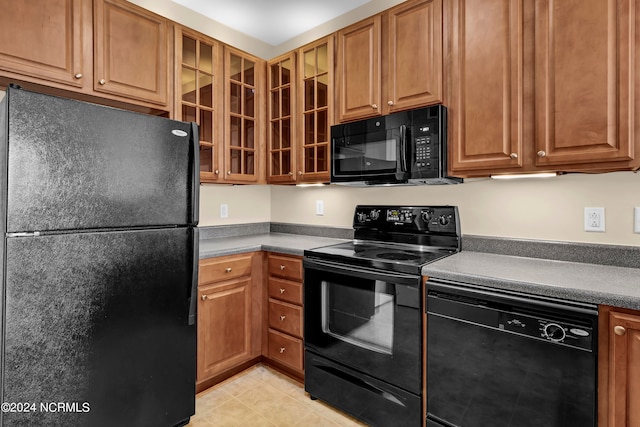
558 331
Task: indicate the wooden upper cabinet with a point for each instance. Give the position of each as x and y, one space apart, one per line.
391 61
244 111
414 55
198 69
132 52
316 112
542 85
490 96
47 40
359 67
586 79
281 152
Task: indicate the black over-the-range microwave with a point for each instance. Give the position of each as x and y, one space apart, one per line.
408 147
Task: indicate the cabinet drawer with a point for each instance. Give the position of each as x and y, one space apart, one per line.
285 290
224 268
285 317
285 267
285 349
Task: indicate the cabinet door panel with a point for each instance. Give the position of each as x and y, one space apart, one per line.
415 55
624 370
131 52
584 80
488 99
359 64
224 327
45 39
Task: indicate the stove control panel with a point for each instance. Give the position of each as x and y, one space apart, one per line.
417 219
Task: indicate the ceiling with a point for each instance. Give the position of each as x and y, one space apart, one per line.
272 21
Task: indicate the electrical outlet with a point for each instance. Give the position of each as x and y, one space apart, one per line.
594 219
224 210
319 207
636 219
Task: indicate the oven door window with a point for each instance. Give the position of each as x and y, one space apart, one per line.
362 316
371 154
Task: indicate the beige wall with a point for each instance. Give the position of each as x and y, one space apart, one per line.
551 209
247 204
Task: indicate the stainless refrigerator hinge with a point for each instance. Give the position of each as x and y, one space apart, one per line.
31 234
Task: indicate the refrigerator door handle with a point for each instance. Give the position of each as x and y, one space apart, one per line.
195 181
194 277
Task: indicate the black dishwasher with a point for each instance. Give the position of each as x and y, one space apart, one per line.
507 359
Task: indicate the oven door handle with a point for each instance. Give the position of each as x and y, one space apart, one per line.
365 273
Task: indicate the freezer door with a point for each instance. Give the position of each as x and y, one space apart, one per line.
74 165
96 329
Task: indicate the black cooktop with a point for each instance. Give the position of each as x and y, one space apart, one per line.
397 238
401 258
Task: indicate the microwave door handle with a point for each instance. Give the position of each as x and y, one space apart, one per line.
404 154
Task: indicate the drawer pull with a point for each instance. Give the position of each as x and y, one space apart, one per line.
282 318
102 81
228 270
282 349
282 267
78 75
619 330
282 290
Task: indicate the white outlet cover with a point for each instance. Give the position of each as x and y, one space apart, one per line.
636 219
224 210
319 207
594 219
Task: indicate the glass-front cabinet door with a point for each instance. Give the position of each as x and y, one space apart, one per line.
244 111
198 96
316 115
281 78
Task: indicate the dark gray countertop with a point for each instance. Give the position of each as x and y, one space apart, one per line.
599 284
292 244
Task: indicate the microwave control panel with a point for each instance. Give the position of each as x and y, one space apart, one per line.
426 146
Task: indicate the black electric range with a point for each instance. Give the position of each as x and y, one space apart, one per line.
397 238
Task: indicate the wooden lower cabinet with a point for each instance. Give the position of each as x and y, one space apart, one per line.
229 316
283 345
619 368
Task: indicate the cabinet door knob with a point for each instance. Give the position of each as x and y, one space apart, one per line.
228 270
282 318
390 103
282 267
78 75
619 330
514 156
282 290
217 171
282 349
204 297
229 173
102 81
542 154
300 173
374 106
290 173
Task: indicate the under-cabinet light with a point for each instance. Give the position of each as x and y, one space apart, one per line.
525 175
311 185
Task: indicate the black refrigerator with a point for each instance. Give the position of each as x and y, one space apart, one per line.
99 208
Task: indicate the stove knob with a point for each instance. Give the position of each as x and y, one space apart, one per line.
374 214
554 332
426 216
361 216
443 220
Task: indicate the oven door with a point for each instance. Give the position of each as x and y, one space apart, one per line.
370 157
369 320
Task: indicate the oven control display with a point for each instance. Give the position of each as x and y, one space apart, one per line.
400 215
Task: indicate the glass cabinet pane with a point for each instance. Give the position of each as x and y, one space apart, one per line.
188 80
249 133
235 101
286 133
275 135
249 163
206 158
322 158
323 90
205 84
309 63
275 163
322 126
249 72
309 128
234 131
206 126
236 158
275 75
206 58
286 102
309 94
323 59
286 72
275 104
188 113
235 68
286 163
249 98
188 51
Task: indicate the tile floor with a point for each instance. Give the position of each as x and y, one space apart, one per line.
262 397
